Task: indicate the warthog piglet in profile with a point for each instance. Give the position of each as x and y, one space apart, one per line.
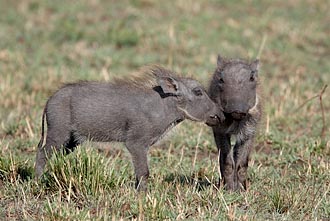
137 112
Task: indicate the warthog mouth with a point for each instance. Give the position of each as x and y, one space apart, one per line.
237 116
210 121
189 116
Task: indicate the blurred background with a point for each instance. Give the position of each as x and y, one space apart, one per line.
44 44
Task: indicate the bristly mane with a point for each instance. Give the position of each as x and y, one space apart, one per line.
146 78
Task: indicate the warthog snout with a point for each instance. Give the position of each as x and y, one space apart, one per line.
215 116
236 110
213 120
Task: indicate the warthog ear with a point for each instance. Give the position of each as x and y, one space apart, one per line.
169 85
219 61
255 65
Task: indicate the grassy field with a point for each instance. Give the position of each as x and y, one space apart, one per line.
44 44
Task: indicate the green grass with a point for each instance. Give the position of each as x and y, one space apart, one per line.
44 44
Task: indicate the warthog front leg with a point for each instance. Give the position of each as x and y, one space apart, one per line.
226 161
140 163
54 142
242 151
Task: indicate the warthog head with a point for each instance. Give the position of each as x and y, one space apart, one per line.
236 82
192 100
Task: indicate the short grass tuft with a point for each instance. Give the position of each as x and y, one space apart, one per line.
82 173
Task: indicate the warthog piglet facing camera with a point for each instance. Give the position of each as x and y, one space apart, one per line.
234 87
137 112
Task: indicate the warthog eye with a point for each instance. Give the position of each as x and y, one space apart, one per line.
221 74
197 91
252 76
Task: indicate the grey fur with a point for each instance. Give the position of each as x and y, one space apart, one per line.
136 112
234 87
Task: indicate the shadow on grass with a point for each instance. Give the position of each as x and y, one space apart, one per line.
200 183
12 171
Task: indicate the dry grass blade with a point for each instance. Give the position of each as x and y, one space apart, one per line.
323 115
